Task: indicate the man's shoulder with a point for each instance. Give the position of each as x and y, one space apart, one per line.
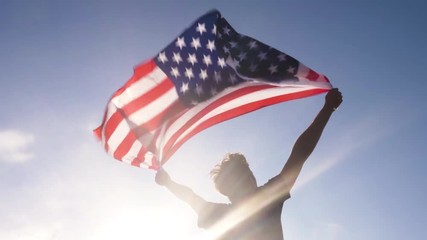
273 188
270 182
211 213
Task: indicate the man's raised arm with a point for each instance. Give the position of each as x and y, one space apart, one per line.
182 192
306 143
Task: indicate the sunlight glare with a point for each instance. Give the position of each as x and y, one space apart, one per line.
150 222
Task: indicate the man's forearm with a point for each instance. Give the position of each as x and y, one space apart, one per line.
308 140
303 147
306 143
185 194
179 190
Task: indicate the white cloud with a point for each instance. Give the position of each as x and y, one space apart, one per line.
14 145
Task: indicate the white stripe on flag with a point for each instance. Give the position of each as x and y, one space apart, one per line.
132 153
145 114
140 87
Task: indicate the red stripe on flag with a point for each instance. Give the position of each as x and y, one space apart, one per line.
111 126
210 107
139 72
159 119
312 75
124 146
246 108
134 106
140 157
147 98
97 132
141 130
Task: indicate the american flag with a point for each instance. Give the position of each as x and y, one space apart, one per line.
207 75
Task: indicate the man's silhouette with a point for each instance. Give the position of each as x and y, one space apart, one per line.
254 212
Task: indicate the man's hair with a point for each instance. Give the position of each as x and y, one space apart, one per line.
231 164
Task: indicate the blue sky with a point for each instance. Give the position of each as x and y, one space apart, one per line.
61 61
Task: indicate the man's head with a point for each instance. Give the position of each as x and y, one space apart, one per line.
233 177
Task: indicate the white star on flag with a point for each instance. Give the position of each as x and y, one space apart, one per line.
180 43
201 28
196 43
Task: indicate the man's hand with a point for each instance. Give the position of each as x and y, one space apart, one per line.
333 99
181 191
162 177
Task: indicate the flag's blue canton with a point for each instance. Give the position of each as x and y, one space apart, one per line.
211 56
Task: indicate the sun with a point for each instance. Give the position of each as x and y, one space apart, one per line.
147 222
